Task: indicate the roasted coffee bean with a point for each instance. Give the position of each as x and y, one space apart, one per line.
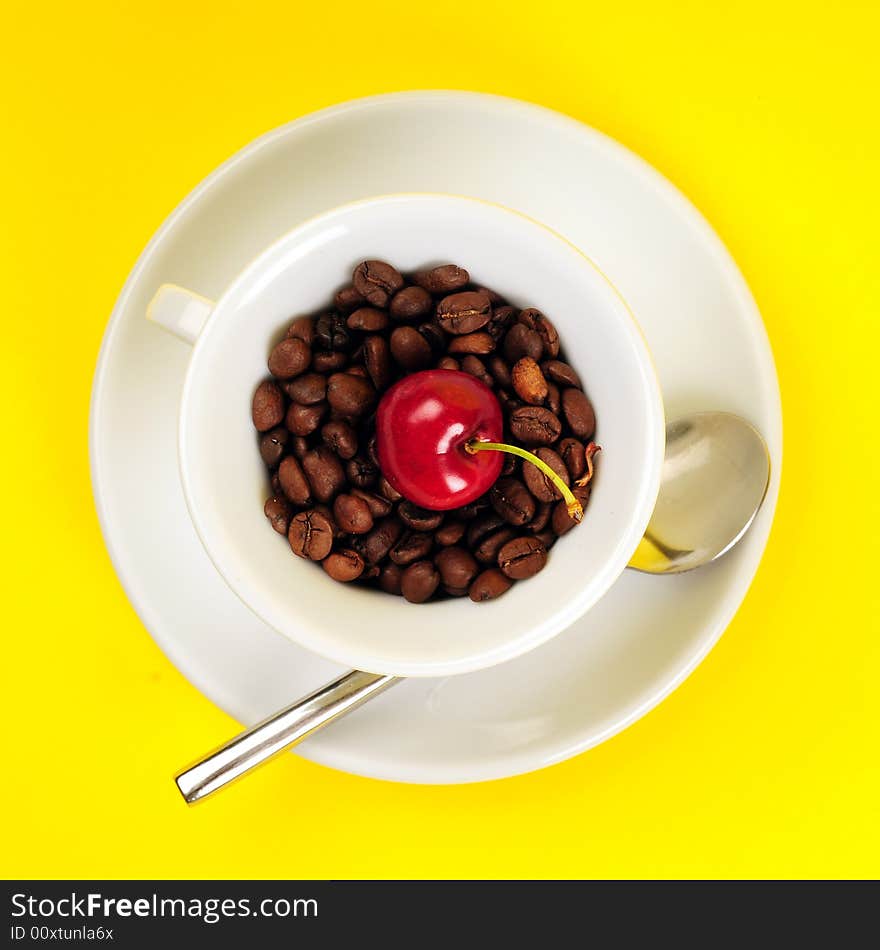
348 299
511 501
450 533
489 585
377 282
388 490
340 437
494 297
275 482
332 334
289 358
352 514
546 537
303 328
508 402
303 420
579 413
381 539
358 371
541 519
561 521
554 399
410 349
324 472
410 303
522 558
279 513
534 425
267 409
449 363
345 565
419 519
480 506
479 343
500 372
377 359
299 445
465 312
482 527
572 453
350 395
561 373
294 483
272 445
379 507
457 568
372 452
368 319
535 320
389 579
307 389
508 466
528 381
537 482
412 546
487 550
436 338
361 472
444 279
520 341
419 581
328 361
311 535
475 366
502 317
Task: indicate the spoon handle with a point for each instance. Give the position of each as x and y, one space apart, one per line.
280 731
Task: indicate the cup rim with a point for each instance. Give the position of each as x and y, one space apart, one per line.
563 618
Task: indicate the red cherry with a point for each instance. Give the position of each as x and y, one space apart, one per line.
422 425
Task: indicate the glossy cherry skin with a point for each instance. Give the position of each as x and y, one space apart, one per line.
422 425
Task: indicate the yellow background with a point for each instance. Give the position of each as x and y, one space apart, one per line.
765 763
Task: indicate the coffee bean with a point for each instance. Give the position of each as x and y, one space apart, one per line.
358 371
561 521
449 363
389 579
511 501
272 445
528 381
410 349
377 359
381 539
535 320
376 282
457 568
561 373
474 365
554 399
508 466
412 546
350 395
546 537
464 313
341 438
379 507
368 319
479 343
303 328
345 565
328 362
294 483
502 317
332 334
520 341
348 299
419 519
572 453
289 358
522 558
443 279
488 586
450 533
361 472
324 472
487 550
299 446
494 297
436 338
372 453
303 420
508 402
307 389
352 514
479 506
419 581
537 482
279 513
500 372
579 413
311 535
267 409
533 425
482 527
541 519
410 303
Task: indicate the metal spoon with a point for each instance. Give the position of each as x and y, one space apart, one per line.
715 475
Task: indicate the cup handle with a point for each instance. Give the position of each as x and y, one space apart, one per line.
179 311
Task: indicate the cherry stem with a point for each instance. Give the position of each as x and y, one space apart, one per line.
574 507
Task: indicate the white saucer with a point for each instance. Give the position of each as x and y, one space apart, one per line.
701 323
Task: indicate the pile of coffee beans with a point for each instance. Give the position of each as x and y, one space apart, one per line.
316 416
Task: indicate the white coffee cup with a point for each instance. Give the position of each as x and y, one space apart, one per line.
225 481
